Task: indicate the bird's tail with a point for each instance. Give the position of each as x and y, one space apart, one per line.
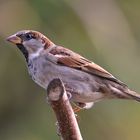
133 95
123 92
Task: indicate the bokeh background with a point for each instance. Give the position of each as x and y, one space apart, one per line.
105 31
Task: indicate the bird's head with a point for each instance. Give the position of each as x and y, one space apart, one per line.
31 43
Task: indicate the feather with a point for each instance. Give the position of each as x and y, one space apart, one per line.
68 58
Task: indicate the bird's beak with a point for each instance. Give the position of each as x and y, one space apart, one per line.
14 39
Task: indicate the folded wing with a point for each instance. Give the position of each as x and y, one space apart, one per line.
68 58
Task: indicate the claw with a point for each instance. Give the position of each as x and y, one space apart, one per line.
69 95
77 109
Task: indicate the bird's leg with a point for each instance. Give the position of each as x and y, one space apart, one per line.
78 106
69 95
77 109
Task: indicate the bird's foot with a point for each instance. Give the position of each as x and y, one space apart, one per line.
80 106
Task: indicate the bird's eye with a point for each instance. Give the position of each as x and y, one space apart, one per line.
28 36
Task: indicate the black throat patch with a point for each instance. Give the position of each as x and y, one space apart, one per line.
24 51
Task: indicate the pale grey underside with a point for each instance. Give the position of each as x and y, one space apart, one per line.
84 87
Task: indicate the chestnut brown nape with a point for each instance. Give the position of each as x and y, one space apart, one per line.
47 42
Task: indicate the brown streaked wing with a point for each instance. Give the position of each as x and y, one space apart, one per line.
76 61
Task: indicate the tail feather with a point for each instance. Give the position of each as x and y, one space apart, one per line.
133 95
123 92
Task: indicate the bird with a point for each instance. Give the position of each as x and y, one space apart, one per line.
86 82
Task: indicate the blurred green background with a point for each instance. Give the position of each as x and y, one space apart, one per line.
105 31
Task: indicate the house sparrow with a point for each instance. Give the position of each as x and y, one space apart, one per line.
85 81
